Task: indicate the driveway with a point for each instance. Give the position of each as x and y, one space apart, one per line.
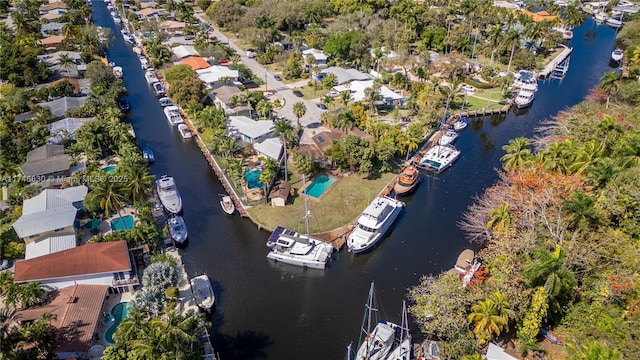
310 122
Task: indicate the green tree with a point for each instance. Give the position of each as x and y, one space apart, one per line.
299 109
106 195
178 72
610 85
490 316
500 218
264 109
284 130
518 152
593 350
183 91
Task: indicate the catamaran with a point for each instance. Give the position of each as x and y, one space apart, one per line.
439 158
377 342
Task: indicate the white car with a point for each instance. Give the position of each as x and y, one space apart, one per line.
468 88
4 264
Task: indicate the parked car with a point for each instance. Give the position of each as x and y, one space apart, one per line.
277 77
4 264
322 106
297 93
334 94
468 88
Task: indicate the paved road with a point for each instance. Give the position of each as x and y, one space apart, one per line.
310 121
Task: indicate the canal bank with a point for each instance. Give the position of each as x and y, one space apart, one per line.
275 311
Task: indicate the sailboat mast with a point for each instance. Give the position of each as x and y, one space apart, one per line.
306 210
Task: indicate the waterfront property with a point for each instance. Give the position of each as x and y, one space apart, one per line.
109 169
252 176
118 312
126 222
319 186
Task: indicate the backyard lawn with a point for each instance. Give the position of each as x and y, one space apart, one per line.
339 206
486 98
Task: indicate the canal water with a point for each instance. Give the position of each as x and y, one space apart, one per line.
275 311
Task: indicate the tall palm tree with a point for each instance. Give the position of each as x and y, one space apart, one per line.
139 181
518 151
500 218
107 195
512 40
346 121
490 318
548 270
66 62
371 95
299 109
345 98
451 88
610 84
495 37
284 130
581 210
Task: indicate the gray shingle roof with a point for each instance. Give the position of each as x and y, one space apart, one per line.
60 106
46 159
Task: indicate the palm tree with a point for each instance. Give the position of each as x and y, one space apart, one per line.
581 210
65 62
371 95
512 39
610 84
227 145
548 271
327 100
408 143
264 109
139 181
491 316
586 157
495 38
346 121
284 130
107 195
299 109
345 98
451 89
518 151
593 350
500 218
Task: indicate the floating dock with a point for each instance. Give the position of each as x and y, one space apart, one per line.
551 66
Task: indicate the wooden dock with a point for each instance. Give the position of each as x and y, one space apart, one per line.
548 69
486 112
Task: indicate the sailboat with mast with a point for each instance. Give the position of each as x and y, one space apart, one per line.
377 342
404 349
290 247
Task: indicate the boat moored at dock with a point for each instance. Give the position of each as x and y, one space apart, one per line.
169 195
227 204
616 56
203 292
292 248
448 137
177 229
407 181
173 115
377 342
373 223
524 98
184 131
439 158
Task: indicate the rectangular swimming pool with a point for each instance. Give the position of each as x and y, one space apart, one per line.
319 186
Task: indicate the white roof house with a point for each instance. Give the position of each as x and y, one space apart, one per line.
357 89
249 130
52 211
65 129
344 75
215 73
183 51
495 352
60 106
321 57
269 147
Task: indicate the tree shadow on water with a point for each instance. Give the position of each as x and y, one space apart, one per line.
247 345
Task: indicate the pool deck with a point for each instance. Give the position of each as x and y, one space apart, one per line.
110 301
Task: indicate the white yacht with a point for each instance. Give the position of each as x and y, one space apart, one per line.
158 88
203 292
184 131
524 98
290 247
118 72
177 229
439 158
448 137
461 124
169 195
617 55
614 22
377 343
173 115
374 222
150 75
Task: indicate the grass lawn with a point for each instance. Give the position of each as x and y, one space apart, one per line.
486 98
340 205
310 93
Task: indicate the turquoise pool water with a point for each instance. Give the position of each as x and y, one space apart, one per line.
319 185
119 311
122 223
253 178
109 169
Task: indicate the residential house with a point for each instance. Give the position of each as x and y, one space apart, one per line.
321 59
357 89
44 162
280 194
323 141
247 130
51 42
216 74
103 263
148 4
223 97
148 13
76 312
47 222
52 28
65 129
270 147
56 5
183 51
72 69
172 26
495 352
342 75
59 107
195 62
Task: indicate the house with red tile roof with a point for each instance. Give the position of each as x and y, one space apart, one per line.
76 311
196 62
106 263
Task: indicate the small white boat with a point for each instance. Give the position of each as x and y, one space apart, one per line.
184 131
373 223
177 229
203 292
165 101
617 55
227 204
439 158
461 124
600 17
147 155
150 75
524 98
292 248
614 22
448 137
526 79
168 194
117 71
158 88
173 115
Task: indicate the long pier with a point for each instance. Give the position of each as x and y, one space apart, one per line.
548 69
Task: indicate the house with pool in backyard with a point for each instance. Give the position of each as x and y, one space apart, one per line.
84 285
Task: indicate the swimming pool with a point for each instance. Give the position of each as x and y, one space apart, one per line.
253 178
122 223
109 169
319 186
119 311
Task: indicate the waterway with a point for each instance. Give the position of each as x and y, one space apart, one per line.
267 310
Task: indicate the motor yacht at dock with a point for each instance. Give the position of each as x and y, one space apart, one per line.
407 181
169 195
173 115
373 224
